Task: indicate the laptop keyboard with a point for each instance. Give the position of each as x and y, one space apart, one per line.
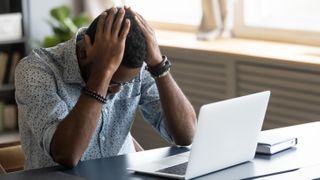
179 169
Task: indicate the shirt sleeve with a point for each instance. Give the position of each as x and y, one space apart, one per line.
39 106
150 106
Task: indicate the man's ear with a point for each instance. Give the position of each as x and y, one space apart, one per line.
86 47
81 52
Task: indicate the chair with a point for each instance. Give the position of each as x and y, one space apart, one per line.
11 158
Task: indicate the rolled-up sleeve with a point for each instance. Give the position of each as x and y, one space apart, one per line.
150 106
40 107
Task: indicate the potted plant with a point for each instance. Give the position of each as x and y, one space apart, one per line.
63 26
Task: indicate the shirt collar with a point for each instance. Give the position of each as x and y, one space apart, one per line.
72 73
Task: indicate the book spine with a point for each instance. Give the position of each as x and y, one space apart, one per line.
14 61
3 66
10 117
1 116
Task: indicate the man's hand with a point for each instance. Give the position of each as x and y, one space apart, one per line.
154 56
107 51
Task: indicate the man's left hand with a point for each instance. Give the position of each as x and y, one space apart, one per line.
154 56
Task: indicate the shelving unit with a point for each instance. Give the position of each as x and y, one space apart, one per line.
13 49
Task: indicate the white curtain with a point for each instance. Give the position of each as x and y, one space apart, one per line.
216 19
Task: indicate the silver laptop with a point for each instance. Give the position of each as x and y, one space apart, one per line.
227 134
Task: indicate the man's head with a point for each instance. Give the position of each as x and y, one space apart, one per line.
134 52
135 48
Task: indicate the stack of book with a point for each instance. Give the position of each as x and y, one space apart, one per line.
8 63
8 117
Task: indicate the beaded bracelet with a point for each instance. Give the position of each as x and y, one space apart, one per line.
94 95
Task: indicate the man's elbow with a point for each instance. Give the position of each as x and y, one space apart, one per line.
66 160
63 157
187 137
186 140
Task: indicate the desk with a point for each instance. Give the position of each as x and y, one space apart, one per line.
304 155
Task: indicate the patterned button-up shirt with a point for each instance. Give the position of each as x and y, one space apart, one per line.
48 84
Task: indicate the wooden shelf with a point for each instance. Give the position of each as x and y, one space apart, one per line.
16 41
10 138
6 87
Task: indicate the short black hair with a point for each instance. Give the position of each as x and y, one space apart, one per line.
135 48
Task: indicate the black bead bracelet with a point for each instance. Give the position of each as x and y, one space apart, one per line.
94 95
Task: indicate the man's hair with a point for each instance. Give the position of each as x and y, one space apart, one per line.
135 48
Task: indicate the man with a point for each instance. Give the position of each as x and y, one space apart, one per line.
77 100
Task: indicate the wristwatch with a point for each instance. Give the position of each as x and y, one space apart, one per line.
161 69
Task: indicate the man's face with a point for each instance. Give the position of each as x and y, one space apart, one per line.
122 76
119 78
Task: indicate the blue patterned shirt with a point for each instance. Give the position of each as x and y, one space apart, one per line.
48 85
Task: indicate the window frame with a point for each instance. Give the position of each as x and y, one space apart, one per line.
242 30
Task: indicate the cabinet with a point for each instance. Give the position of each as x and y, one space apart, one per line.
13 46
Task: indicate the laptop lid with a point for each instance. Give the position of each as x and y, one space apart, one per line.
227 133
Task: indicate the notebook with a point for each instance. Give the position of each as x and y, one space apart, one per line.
271 144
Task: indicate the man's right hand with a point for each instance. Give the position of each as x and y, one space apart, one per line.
106 53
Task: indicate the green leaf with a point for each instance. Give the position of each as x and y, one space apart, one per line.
69 24
50 41
60 30
60 13
81 20
63 26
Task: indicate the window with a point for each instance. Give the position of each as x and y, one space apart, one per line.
173 14
288 20
283 14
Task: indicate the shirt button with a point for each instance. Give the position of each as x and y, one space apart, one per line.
103 138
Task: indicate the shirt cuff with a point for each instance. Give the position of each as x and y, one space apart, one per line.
47 138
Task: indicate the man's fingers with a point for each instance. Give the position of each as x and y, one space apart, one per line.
101 22
127 8
117 24
109 20
144 22
125 29
140 23
146 26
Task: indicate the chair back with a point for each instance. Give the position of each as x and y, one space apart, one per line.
11 158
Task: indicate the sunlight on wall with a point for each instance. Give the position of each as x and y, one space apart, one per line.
171 11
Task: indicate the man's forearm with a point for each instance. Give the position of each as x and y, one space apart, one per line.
74 133
180 115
